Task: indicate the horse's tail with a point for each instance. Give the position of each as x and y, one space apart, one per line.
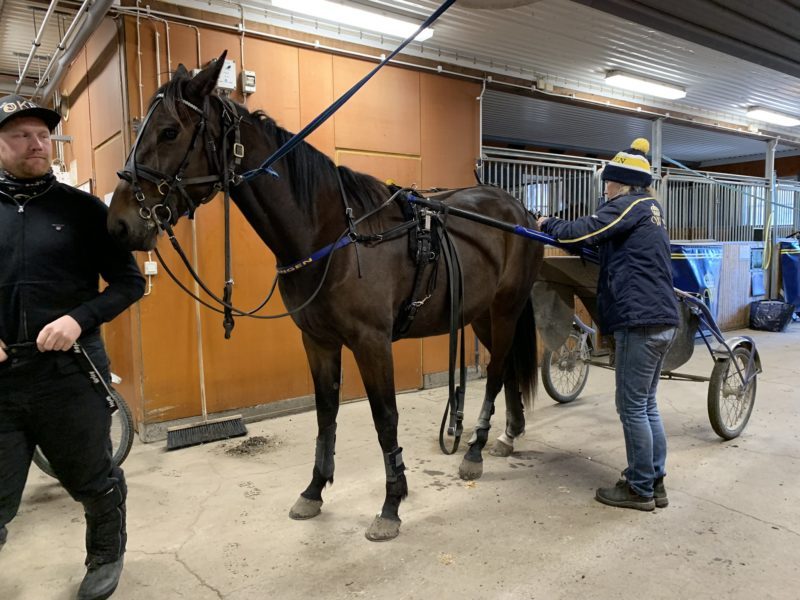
524 354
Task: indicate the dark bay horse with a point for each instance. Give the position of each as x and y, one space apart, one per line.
169 173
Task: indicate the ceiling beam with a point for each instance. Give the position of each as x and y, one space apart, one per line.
764 33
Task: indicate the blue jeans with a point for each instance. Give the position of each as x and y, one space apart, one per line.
640 353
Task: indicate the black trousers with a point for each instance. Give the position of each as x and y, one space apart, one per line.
49 401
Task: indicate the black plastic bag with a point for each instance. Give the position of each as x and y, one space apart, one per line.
770 315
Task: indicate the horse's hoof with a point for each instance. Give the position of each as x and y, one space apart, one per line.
383 530
470 470
501 449
305 509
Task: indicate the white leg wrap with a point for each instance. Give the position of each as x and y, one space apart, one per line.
508 441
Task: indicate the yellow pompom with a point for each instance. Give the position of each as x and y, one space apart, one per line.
390 182
641 144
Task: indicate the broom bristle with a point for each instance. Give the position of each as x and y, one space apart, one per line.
183 436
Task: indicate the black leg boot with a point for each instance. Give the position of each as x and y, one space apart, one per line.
105 544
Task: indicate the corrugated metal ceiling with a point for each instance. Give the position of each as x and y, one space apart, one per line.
20 21
557 43
570 45
515 119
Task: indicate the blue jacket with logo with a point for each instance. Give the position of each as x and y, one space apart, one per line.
635 285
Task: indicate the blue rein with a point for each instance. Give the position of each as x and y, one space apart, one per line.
410 196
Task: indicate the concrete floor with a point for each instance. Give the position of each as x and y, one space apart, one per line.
205 524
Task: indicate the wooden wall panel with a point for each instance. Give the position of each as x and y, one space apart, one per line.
77 122
384 115
108 159
403 170
449 129
277 81
316 94
265 358
105 91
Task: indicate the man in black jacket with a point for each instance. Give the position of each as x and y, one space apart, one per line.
637 304
54 247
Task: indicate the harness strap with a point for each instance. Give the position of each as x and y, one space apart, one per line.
455 405
423 257
348 213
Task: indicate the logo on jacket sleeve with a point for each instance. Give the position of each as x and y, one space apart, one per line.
657 218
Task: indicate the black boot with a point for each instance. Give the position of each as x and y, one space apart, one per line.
105 543
100 580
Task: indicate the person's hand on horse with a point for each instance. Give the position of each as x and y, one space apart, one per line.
61 334
540 221
3 355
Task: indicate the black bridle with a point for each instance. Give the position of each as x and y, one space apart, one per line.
223 164
163 215
224 156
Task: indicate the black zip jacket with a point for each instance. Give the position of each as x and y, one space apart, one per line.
53 248
635 286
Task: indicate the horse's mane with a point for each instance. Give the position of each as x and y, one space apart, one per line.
308 169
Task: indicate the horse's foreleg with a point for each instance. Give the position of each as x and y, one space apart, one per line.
377 372
325 363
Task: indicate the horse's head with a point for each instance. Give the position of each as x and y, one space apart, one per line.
176 161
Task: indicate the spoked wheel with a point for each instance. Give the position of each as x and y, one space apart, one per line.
729 401
565 371
121 437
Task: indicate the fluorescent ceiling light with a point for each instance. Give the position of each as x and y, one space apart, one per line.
642 85
762 114
339 13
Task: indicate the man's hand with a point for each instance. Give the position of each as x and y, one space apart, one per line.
58 335
540 221
3 355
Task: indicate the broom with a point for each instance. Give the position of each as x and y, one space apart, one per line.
207 430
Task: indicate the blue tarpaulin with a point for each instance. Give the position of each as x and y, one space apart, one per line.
696 269
790 271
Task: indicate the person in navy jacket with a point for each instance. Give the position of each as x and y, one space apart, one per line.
637 304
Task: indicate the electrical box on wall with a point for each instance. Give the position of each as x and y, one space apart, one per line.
227 76
248 82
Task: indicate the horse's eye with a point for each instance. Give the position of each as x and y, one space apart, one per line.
169 134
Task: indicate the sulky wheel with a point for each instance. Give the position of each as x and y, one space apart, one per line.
565 371
729 401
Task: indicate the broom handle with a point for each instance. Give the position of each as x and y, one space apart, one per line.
200 361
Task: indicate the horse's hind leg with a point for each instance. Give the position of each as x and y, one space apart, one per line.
515 415
326 364
496 334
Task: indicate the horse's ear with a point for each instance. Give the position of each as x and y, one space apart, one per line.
206 80
181 72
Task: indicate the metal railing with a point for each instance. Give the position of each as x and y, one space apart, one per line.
697 205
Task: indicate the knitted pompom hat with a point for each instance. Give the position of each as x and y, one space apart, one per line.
630 166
